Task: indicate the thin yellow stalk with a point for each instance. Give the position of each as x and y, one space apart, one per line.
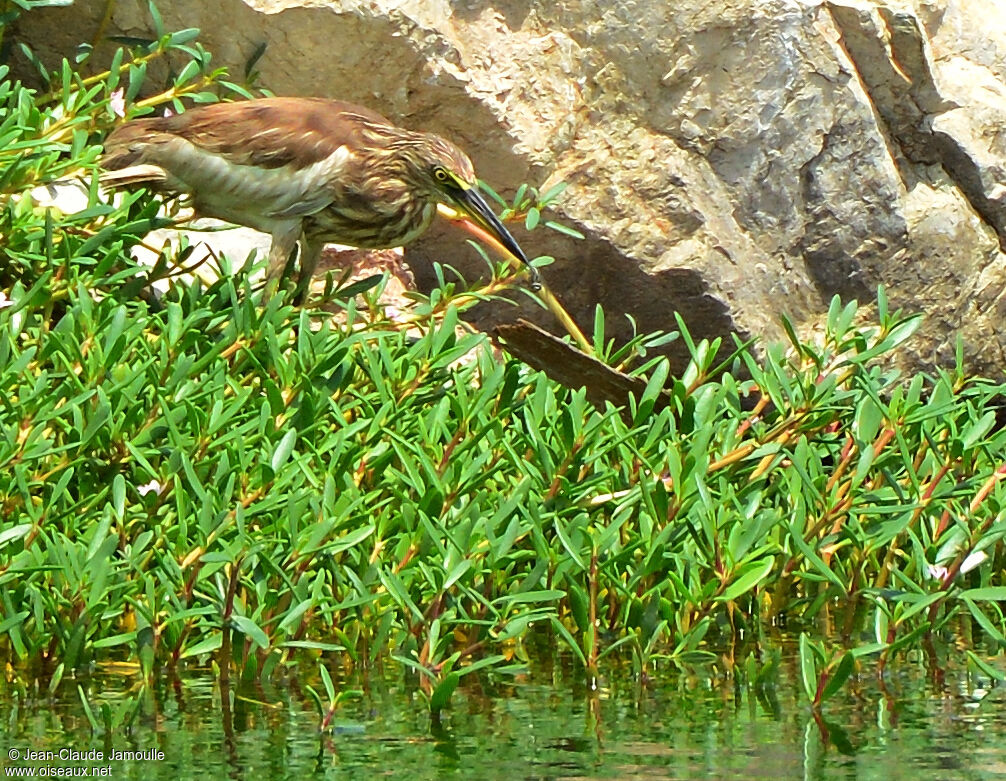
91 80
550 301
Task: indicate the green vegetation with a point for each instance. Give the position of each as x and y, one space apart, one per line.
206 478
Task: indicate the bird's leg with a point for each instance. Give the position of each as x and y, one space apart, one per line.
310 253
284 241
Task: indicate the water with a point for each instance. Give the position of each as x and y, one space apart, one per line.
917 722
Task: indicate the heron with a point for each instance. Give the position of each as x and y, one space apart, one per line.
304 170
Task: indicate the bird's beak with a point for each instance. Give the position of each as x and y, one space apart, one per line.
474 206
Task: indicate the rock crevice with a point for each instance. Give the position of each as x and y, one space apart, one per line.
891 56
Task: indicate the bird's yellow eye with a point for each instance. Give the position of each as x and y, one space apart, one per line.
441 175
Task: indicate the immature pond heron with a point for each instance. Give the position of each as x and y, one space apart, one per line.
304 169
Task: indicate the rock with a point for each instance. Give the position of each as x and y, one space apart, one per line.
729 160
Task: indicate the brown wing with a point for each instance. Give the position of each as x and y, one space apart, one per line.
268 133
274 132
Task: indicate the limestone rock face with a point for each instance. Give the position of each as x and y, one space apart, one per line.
729 160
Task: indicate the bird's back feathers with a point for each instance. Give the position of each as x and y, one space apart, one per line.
265 133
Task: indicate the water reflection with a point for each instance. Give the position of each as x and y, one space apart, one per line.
544 725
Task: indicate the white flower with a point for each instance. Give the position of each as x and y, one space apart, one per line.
153 485
937 571
972 560
117 102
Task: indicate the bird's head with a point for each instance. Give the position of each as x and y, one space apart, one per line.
448 177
